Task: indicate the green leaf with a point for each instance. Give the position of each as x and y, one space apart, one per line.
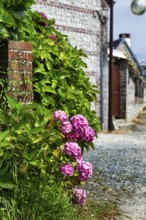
3 32
4 135
35 163
56 153
48 65
8 20
48 89
1 152
6 183
74 180
37 140
4 118
33 154
62 56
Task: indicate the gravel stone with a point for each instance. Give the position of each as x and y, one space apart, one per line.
119 172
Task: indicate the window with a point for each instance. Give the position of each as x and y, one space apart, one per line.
139 90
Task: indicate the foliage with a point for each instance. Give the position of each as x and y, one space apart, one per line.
58 72
13 17
30 137
19 155
36 202
36 152
30 156
59 80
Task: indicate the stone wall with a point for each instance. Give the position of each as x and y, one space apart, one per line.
83 21
16 65
123 92
132 106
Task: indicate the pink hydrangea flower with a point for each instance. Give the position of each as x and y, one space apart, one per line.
79 122
88 134
79 197
53 36
73 136
85 170
67 169
60 115
44 16
73 150
66 127
43 23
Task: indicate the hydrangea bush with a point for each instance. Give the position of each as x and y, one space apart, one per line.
76 131
42 154
31 152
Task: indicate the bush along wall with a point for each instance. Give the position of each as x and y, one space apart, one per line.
59 80
42 143
41 152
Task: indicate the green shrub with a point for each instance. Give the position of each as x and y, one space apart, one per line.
59 80
31 160
30 164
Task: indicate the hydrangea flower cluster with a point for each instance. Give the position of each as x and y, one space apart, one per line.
67 169
60 116
79 197
88 134
76 127
85 170
53 36
44 16
44 24
66 127
73 150
80 124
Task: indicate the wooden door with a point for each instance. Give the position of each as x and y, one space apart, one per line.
116 91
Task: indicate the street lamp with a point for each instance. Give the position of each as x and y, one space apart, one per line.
110 124
138 7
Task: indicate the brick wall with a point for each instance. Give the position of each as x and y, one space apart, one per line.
80 20
16 59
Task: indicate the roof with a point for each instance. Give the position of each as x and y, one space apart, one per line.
116 45
118 54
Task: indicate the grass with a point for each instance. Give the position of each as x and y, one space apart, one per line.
121 131
98 210
139 121
142 113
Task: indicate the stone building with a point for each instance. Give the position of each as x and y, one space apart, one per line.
129 89
85 22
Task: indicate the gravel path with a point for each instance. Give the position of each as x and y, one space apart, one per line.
119 162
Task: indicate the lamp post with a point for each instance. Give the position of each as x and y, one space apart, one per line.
138 7
110 124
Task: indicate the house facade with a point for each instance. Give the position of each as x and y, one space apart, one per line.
129 87
86 24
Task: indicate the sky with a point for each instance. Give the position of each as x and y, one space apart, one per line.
126 22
